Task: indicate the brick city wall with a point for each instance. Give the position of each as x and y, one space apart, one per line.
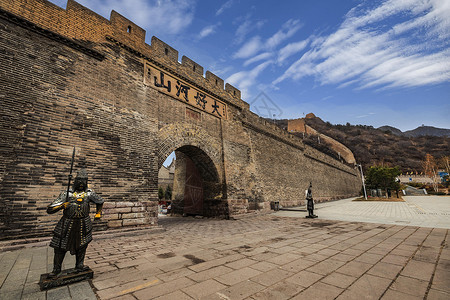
70 77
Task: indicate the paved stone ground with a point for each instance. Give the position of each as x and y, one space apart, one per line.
422 211
260 257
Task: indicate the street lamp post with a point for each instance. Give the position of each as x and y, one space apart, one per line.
362 178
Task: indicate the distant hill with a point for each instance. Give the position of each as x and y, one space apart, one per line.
391 129
419 131
386 145
428 130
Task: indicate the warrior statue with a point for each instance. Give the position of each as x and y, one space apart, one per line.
74 231
310 204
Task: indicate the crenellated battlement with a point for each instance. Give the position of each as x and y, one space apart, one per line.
80 23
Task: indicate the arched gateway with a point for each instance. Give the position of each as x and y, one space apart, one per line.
199 185
73 78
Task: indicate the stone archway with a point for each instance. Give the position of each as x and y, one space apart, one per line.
198 166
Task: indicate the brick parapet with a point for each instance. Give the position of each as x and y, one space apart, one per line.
80 23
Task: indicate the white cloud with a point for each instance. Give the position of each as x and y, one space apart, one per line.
244 80
152 15
208 30
245 28
412 51
224 7
258 57
288 30
250 48
291 49
255 45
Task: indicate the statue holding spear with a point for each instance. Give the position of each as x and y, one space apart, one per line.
74 230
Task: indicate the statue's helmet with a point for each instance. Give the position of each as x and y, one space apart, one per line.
81 181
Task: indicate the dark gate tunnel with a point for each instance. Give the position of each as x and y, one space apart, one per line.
197 188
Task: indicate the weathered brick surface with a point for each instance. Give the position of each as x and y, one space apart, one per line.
70 77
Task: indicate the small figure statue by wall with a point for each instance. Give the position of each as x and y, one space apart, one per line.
310 203
73 232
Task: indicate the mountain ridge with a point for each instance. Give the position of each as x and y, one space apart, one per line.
423 130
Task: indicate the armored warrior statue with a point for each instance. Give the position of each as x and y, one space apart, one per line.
310 204
74 230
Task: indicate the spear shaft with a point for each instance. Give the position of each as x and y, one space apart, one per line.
70 175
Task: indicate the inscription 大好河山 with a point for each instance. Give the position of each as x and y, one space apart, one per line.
182 91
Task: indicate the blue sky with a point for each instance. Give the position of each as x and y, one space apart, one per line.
364 62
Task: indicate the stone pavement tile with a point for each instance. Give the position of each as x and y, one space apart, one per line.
343 257
298 265
216 262
369 258
34 276
300 244
237 276
101 270
377 250
15 280
254 251
14 294
37 263
175 265
271 277
304 278
438 295
6 263
266 255
326 267
385 270
409 248
395 259
131 263
367 286
443 264
445 253
162 289
41 295
354 252
284 249
328 252
427 254
125 297
319 290
441 280
210 273
128 287
363 246
241 263
111 274
178 295
307 250
58 293
315 257
279 291
410 286
418 269
354 268
121 278
395 295
204 288
172 275
339 280
264 266
284 258
82 291
239 291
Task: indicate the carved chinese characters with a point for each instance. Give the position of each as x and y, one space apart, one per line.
168 84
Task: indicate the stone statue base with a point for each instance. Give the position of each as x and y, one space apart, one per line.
66 277
311 217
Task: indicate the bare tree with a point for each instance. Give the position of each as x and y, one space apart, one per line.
430 169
